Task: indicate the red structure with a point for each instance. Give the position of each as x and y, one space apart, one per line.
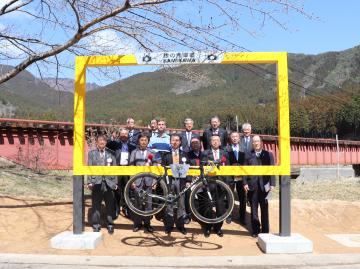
48 145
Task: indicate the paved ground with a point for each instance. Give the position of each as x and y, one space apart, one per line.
26 226
323 261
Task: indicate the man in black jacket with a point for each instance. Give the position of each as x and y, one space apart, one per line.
122 149
237 157
175 156
215 129
133 134
218 155
187 135
259 187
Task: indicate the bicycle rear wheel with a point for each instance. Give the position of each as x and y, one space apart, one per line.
143 197
213 210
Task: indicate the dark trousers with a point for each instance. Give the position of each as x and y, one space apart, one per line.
137 219
242 200
99 193
257 197
119 193
140 220
219 196
172 215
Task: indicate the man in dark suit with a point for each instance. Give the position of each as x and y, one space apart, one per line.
215 129
133 134
102 187
195 152
237 157
187 135
259 187
194 156
123 150
216 154
246 140
175 156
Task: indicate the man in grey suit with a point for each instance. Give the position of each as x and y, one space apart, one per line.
102 187
246 140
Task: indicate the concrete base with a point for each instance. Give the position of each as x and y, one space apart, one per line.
325 172
273 243
68 240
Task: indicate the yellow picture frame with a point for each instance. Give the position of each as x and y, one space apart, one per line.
278 58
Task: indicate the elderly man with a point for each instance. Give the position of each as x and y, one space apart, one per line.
102 187
153 127
258 187
133 134
246 140
188 134
216 154
237 157
215 129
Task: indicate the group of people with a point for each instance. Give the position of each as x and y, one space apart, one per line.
132 147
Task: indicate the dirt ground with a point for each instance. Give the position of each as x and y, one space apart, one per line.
26 226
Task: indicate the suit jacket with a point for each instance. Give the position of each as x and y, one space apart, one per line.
208 133
95 159
116 147
137 160
194 160
133 140
254 182
246 148
207 155
184 141
233 159
167 159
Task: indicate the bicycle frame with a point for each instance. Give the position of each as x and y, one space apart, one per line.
177 197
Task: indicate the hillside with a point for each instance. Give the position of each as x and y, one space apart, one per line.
247 91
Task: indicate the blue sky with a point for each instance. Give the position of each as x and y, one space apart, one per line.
334 26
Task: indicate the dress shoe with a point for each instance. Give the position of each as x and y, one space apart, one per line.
168 232
183 231
187 220
254 235
149 229
110 229
96 229
136 229
206 233
220 233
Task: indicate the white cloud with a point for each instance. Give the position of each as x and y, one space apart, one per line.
109 42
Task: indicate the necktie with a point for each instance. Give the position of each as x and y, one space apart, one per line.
188 138
175 157
235 152
216 155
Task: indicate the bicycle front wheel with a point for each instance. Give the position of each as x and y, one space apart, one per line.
145 194
212 203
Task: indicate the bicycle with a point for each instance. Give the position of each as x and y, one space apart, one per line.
211 200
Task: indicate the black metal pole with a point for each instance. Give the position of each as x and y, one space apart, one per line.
285 206
78 205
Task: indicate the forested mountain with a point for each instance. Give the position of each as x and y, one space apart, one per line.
324 91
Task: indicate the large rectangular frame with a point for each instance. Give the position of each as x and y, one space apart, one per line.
278 58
